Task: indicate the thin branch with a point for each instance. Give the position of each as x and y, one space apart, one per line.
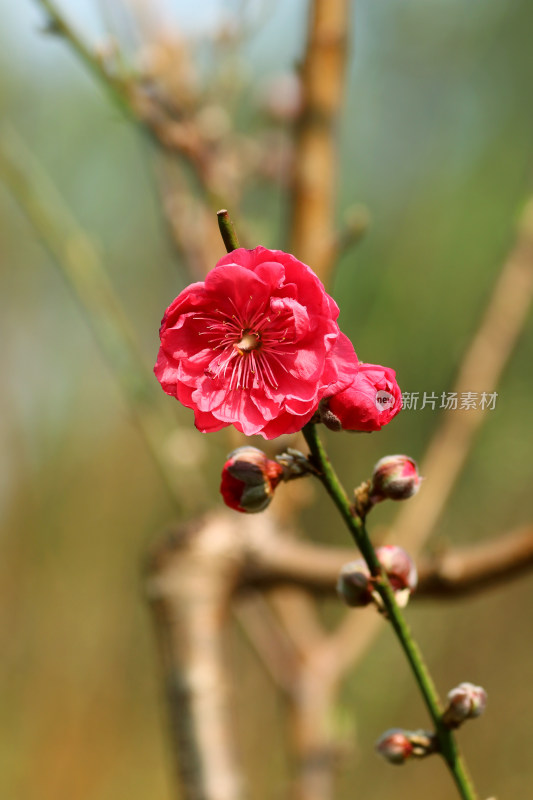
312 228
356 526
480 370
118 87
179 137
81 267
466 570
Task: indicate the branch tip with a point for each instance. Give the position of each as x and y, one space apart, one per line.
227 230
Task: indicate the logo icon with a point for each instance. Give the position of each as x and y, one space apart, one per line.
384 400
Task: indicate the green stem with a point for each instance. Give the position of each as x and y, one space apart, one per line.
227 230
447 744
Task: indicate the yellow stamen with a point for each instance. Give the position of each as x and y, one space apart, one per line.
248 342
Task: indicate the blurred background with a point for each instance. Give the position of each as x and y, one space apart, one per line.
436 142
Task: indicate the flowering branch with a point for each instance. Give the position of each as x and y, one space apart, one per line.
481 367
101 69
355 523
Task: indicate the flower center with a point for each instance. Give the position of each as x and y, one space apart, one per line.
249 347
249 341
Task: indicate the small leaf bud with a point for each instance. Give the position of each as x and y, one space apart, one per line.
294 464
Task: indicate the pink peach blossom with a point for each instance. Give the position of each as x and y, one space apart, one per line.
255 345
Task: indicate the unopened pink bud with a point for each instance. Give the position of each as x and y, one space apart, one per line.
354 585
367 404
394 478
249 479
395 746
401 571
465 701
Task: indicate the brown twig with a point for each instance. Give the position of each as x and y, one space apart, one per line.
466 570
178 136
480 371
274 647
190 582
313 185
84 272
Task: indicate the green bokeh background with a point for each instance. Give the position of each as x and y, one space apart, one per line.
436 140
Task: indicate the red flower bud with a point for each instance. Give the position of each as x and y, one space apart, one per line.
465 701
394 478
395 746
249 479
370 402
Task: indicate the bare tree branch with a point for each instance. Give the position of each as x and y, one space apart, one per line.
189 584
466 570
84 272
480 371
312 229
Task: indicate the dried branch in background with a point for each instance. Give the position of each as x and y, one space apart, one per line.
465 570
81 267
480 370
190 582
314 180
